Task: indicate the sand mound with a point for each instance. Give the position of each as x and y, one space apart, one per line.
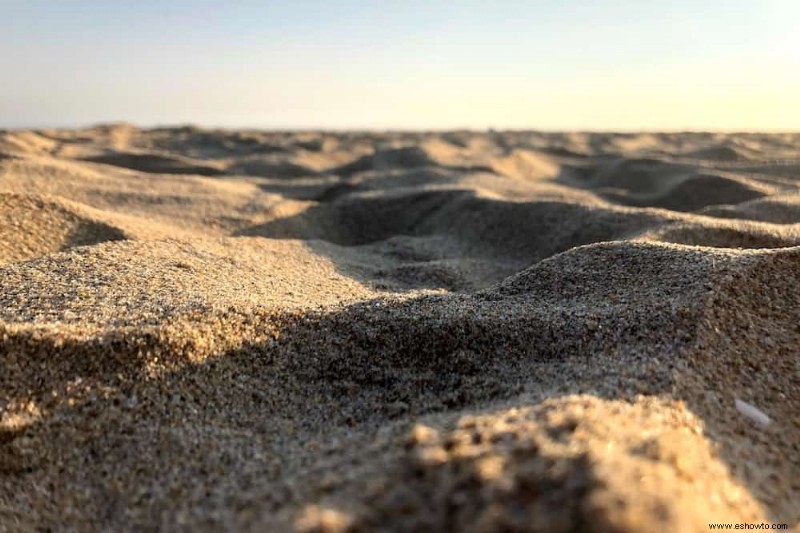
402 331
406 157
158 202
271 169
188 275
562 465
777 210
752 357
25 143
636 175
736 235
526 165
31 226
699 191
718 153
155 163
476 222
654 183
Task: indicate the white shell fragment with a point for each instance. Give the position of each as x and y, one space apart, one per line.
753 413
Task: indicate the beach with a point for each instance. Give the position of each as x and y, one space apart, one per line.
206 330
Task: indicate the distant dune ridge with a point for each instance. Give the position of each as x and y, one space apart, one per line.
207 330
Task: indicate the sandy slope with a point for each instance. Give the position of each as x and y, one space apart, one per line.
204 330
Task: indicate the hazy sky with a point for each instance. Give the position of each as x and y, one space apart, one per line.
548 64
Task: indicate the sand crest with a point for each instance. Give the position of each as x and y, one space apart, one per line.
504 331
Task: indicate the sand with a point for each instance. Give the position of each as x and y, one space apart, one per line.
206 330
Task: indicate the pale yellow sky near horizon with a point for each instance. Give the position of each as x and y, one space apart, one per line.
606 65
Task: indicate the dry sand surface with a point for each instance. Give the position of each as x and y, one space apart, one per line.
207 330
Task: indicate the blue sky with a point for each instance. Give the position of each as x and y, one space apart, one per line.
546 64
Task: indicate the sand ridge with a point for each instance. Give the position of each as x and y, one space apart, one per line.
460 331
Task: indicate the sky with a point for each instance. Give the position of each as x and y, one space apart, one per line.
411 64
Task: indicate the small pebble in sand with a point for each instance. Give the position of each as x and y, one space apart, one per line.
752 413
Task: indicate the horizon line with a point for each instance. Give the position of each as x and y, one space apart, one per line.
391 129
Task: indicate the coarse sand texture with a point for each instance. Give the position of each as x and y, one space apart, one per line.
206 330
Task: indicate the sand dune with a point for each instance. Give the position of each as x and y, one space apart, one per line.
244 330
